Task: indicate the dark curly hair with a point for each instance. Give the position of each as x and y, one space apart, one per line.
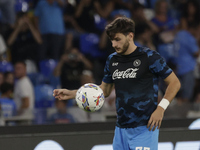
122 25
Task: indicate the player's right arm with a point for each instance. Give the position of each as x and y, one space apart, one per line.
64 94
107 88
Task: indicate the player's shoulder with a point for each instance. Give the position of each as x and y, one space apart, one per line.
111 55
148 51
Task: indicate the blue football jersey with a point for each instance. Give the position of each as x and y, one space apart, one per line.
8 107
136 83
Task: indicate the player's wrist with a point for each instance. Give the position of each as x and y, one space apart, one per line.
73 93
164 103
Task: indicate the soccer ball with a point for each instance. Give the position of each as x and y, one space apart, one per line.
90 97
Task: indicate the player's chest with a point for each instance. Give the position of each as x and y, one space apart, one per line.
133 68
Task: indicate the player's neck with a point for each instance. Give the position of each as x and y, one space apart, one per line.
132 47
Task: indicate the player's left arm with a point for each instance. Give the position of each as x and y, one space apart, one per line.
173 86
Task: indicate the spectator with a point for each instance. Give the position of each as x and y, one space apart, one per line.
104 7
122 7
190 14
123 4
73 30
75 17
186 51
82 21
1 78
143 36
165 23
62 115
138 16
105 44
87 77
49 20
161 19
70 68
84 15
8 106
23 90
9 77
24 39
7 19
3 47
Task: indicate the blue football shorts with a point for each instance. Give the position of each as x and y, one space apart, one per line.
139 138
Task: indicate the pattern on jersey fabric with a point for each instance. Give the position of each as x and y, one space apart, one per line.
136 83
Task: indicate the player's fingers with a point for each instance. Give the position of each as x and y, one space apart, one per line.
159 124
57 97
60 98
152 124
155 126
55 92
149 123
59 91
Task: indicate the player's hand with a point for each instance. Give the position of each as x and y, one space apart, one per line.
64 94
156 119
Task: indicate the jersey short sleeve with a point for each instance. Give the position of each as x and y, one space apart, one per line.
107 75
157 64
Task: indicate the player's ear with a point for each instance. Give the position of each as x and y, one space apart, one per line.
130 36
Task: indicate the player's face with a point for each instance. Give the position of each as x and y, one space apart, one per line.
120 43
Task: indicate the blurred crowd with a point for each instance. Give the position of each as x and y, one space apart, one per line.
48 44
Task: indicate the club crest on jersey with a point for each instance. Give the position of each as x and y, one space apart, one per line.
129 73
137 62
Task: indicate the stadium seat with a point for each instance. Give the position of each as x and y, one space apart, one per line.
36 78
47 66
89 45
21 5
122 12
100 22
54 81
6 66
43 99
44 96
40 116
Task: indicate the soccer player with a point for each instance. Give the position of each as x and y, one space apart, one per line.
135 72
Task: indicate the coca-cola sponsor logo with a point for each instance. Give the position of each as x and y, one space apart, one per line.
129 73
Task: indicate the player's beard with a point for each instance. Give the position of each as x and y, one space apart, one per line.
124 48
